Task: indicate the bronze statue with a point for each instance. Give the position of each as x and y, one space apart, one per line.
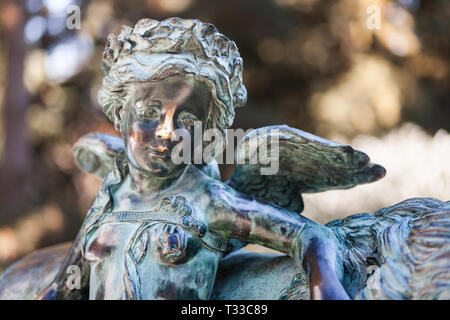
162 229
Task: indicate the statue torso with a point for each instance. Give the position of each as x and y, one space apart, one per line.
137 255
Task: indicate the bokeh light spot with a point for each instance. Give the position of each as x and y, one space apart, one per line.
35 28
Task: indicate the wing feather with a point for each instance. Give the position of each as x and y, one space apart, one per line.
307 164
95 152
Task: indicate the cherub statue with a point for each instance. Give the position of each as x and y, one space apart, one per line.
165 230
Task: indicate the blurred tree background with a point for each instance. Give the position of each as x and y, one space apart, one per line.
310 64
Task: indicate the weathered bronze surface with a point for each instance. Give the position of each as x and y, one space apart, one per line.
162 230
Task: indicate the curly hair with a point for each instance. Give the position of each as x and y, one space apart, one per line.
154 50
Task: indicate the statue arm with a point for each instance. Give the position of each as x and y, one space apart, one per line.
313 246
72 279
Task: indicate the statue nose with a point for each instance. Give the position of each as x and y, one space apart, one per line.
164 134
165 130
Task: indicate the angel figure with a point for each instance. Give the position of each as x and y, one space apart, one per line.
162 230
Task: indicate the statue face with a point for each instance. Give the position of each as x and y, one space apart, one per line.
151 115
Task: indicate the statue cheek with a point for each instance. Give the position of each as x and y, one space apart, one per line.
140 135
144 132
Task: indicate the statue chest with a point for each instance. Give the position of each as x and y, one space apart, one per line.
158 256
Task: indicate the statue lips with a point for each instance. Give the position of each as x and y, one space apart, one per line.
159 154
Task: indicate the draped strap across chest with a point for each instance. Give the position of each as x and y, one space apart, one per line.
173 210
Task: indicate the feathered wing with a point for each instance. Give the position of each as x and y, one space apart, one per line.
95 152
307 164
399 252
412 241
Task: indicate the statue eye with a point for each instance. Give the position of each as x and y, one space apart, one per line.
149 113
188 120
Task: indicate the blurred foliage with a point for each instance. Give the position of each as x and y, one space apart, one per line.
311 64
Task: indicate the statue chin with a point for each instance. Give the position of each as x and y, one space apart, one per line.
157 167
162 171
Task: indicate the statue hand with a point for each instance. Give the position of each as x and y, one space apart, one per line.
318 254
